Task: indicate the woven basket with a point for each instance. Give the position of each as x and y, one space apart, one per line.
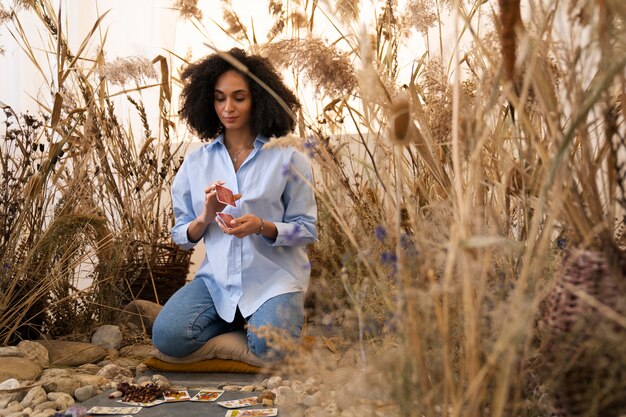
157 275
580 349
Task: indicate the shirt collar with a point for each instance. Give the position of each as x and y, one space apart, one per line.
220 139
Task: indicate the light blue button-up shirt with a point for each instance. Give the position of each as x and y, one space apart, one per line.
276 185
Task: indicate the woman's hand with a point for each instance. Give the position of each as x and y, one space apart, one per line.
243 226
197 228
211 205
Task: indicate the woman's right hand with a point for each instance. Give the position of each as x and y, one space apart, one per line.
198 227
211 205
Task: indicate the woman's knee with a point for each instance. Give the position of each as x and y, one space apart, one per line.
274 329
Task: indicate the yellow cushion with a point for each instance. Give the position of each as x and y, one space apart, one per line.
207 365
227 352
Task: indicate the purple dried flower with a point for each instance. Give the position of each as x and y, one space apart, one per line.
380 232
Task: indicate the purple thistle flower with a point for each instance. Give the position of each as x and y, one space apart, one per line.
310 144
380 232
388 258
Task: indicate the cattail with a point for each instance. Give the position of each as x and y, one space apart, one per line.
401 123
510 24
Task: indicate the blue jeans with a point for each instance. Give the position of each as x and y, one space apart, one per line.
189 319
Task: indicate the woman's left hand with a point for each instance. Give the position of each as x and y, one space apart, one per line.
248 224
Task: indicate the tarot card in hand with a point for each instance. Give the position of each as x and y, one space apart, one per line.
244 402
173 395
263 412
207 395
224 195
114 410
224 219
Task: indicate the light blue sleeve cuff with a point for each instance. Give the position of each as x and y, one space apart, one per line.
179 236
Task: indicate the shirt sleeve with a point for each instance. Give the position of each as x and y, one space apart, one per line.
183 208
298 227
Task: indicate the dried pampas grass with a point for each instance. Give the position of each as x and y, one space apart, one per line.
188 9
288 141
348 10
323 65
4 15
123 70
421 15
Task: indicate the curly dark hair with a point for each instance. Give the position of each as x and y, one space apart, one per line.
268 117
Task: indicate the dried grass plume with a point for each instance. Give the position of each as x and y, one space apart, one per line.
188 9
327 68
123 70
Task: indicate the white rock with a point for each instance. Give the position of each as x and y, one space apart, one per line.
159 377
116 394
232 388
5 399
247 388
63 399
34 397
163 383
112 370
84 393
264 383
34 351
274 382
107 336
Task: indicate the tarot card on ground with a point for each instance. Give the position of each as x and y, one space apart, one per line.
243 402
207 395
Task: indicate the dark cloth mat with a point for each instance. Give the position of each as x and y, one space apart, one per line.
192 408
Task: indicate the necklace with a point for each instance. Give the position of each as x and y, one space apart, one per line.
234 157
